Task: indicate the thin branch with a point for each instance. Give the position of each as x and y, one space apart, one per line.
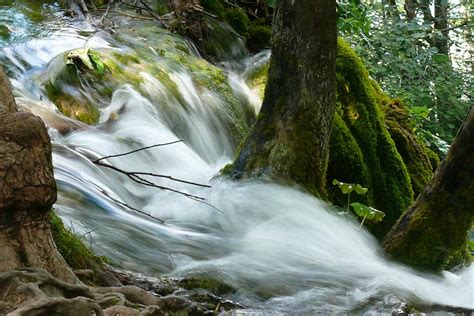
135 178
130 207
152 12
128 15
138 173
106 12
137 150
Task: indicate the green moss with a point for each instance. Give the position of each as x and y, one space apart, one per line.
387 176
346 162
75 107
361 148
214 6
258 37
238 20
206 282
257 78
71 247
414 153
436 236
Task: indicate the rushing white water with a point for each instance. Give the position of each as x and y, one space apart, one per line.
281 249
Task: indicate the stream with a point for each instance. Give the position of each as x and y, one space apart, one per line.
280 249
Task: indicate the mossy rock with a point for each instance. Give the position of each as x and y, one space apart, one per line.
415 154
238 20
73 250
82 81
258 37
387 176
66 84
257 78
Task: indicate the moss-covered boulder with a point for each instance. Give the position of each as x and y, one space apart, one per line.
419 159
385 173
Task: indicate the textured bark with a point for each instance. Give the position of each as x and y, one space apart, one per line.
435 228
7 102
27 191
290 139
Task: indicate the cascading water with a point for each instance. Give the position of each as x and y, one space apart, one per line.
279 248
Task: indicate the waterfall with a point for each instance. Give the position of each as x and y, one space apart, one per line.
279 248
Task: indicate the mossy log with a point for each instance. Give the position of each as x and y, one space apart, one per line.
290 139
27 191
434 230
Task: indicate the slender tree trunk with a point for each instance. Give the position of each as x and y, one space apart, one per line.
425 8
435 228
27 191
410 8
441 24
290 139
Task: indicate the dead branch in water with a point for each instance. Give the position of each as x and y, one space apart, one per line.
138 177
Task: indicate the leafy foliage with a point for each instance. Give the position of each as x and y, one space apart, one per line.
402 55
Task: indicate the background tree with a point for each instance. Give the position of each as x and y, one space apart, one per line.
290 139
434 230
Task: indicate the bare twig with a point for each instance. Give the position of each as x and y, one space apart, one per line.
137 177
128 15
106 12
138 174
153 13
137 150
131 207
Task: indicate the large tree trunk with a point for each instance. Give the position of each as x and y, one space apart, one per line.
290 139
435 228
27 191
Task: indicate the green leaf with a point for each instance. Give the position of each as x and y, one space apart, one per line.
360 189
368 212
345 188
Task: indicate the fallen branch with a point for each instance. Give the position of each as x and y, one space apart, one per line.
127 15
139 149
137 177
130 207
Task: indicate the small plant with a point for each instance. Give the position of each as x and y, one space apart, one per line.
347 188
361 210
367 212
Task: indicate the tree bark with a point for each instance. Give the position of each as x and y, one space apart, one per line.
290 139
441 24
410 9
27 191
435 228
